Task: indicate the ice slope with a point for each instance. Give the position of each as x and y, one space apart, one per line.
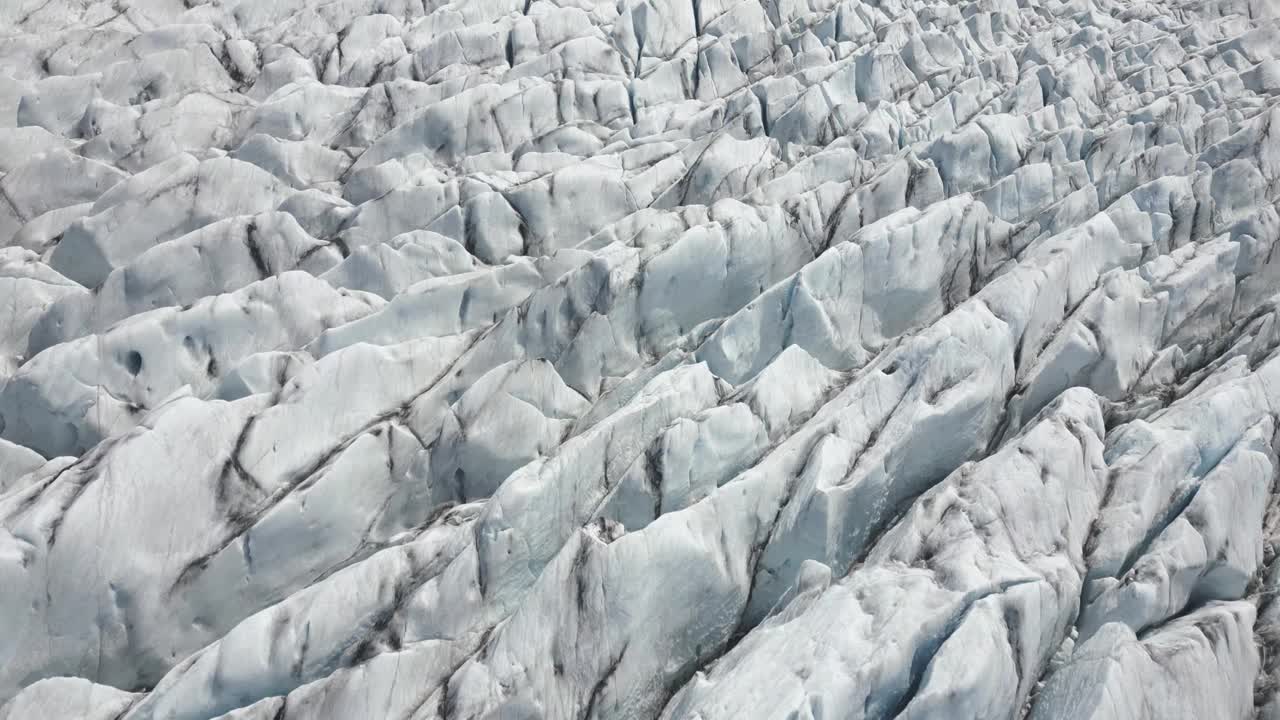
679 359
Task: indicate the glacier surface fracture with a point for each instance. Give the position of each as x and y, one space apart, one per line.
639 359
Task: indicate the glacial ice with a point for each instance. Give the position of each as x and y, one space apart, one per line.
679 359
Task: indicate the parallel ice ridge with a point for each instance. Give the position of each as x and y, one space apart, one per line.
681 359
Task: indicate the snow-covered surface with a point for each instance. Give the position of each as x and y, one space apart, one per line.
680 359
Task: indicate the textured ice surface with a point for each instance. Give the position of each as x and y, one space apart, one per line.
679 359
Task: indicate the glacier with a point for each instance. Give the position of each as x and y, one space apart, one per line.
639 359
